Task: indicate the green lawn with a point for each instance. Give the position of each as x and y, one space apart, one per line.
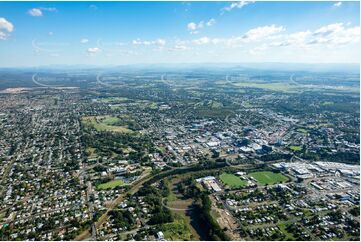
247 104
110 120
232 181
117 107
177 230
268 177
216 104
104 123
171 197
161 149
153 105
113 99
282 226
327 103
278 87
302 130
110 184
295 147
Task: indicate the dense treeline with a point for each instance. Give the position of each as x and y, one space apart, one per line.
107 143
122 218
343 157
153 197
203 207
198 167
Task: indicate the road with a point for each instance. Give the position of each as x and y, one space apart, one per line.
41 84
292 80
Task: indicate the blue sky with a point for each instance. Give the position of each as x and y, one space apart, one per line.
113 33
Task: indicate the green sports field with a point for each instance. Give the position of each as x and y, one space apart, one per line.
110 184
268 177
232 181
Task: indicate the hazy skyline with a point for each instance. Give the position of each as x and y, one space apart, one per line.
103 33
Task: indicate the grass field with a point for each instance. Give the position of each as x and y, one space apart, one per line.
153 105
268 177
295 147
216 104
110 184
117 107
177 230
278 87
181 228
282 227
232 181
104 123
291 88
172 196
161 149
91 153
327 103
302 130
113 99
110 120
247 104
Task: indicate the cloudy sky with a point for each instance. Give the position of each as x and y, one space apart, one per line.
103 33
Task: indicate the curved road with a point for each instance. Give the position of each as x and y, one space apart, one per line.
41 84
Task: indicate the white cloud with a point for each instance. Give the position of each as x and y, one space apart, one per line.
338 4
179 47
252 35
217 41
201 41
296 39
258 50
331 35
6 25
93 51
35 12
262 32
272 36
5 28
84 41
335 34
139 42
260 42
329 29
93 7
38 12
3 36
195 27
239 4
159 42
49 9
211 22
256 34
192 26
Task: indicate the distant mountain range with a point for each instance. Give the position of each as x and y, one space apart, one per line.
329 67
